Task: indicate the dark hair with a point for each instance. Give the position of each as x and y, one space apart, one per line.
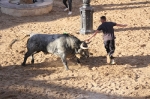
103 18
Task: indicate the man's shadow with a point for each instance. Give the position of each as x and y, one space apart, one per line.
133 61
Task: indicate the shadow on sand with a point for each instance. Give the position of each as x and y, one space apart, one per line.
13 76
135 61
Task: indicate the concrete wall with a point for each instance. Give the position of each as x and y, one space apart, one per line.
38 8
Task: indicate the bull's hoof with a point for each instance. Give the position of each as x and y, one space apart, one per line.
32 62
78 61
23 64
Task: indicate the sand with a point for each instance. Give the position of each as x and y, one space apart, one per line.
93 78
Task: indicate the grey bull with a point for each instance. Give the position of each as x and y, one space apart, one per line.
63 45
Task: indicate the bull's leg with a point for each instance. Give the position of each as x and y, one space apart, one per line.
63 58
77 58
78 61
29 53
32 59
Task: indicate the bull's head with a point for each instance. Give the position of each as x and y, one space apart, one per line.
83 51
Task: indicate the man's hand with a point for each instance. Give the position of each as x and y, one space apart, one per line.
92 36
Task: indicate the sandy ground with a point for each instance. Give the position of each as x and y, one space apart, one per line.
92 79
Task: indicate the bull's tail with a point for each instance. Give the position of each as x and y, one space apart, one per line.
15 40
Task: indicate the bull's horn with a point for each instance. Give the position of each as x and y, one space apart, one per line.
88 42
82 47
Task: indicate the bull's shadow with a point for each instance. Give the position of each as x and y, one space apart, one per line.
13 76
95 61
133 61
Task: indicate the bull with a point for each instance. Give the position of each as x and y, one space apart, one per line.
62 45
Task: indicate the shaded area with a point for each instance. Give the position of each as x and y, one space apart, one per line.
31 89
136 61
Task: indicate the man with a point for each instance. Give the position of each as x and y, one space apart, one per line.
108 36
68 8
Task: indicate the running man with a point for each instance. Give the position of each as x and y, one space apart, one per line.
68 7
108 36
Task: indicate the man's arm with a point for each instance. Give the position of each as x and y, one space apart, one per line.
92 35
121 25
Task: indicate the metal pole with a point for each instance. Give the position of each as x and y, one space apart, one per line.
86 12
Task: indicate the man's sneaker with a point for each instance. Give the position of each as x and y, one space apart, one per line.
66 9
108 59
112 62
69 13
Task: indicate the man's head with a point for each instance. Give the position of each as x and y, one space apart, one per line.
103 19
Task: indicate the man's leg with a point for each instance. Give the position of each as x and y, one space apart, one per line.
106 44
65 3
70 7
112 50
